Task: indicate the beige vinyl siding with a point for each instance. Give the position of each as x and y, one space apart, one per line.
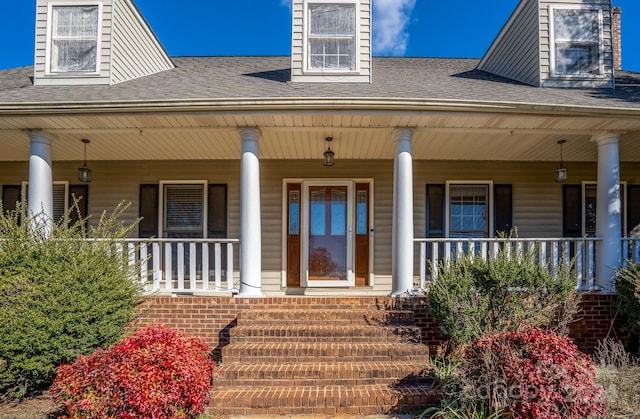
545 46
135 51
40 77
364 51
537 198
514 53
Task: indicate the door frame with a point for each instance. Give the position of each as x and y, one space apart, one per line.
304 229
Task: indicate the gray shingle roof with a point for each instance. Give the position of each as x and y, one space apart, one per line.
224 78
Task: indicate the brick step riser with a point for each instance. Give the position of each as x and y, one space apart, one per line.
381 378
327 329
320 382
320 403
372 335
287 359
320 317
359 340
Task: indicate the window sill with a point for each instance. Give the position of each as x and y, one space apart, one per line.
72 74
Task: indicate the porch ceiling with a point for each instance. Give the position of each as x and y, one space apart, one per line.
300 135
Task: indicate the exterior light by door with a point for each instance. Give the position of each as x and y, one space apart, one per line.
329 155
84 173
561 172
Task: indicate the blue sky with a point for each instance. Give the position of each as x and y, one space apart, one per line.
417 28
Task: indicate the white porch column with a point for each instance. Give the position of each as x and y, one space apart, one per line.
40 196
608 211
250 223
402 241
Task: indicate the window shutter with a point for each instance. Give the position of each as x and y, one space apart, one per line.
218 211
435 210
59 201
148 226
503 208
571 210
81 193
633 207
11 196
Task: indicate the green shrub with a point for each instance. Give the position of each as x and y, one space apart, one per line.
473 297
156 373
628 289
64 291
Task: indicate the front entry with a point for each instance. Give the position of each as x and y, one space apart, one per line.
328 237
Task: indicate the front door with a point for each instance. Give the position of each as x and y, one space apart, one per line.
328 234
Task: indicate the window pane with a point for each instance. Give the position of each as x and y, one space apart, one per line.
468 211
184 210
361 212
294 212
576 25
573 58
332 20
74 43
338 213
332 37
318 214
577 38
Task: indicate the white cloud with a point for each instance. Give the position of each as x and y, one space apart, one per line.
390 36
286 3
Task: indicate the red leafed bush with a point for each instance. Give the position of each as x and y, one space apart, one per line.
541 375
156 373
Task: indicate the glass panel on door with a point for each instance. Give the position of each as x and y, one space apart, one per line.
328 233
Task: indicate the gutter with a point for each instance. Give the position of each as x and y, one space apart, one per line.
299 105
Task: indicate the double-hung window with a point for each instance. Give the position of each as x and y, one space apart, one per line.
331 36
73 38
576 41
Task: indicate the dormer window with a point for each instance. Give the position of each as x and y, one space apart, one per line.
73 42
331 36
577 41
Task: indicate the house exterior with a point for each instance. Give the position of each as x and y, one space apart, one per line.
224 157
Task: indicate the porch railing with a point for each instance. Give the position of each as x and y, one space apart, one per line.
182 265
551 251
630 250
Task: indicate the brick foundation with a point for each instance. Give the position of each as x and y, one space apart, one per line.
212 317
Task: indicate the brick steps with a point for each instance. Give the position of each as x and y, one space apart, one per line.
322 360
321 400
317 374
286 353
324 333
327 317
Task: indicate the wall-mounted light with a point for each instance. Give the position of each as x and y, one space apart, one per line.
84 173
329 155
561 172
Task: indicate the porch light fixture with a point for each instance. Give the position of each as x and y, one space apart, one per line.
84 173
561 172
329 155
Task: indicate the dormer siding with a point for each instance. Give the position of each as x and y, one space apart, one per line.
128 48
518 40
136 51
547 79
524 48
41 74
300 69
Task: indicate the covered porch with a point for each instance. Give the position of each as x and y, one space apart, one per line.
397 153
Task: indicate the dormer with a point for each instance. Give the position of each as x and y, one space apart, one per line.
555 43
331 41
81 42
